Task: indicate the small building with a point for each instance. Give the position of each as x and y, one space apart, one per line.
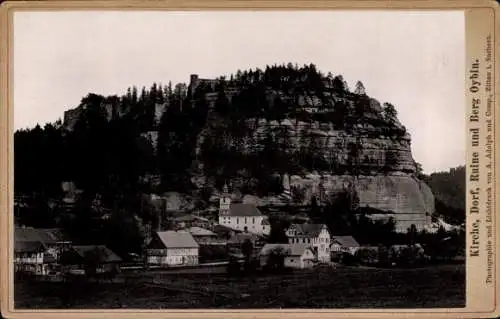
316 235
37 250
31 258
224 232
188 221
204 236
345 244
241 216
295 255
173 248
237 240
80 258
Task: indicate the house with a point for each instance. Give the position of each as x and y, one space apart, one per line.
242 217
173 248
37 250
30 257
204 236
316 235
295 255
78 259
187 221
344 244
237 240
224 232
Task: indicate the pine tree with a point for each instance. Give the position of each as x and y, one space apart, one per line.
359 89
134 94
338 84
390 113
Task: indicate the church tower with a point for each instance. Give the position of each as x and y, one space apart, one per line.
224 202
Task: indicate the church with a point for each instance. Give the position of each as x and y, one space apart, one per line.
242 217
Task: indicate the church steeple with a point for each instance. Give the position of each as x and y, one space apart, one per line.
224 201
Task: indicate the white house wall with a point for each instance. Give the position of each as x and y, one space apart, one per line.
253 224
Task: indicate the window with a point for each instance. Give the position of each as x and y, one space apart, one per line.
245 220
237 220
309 241
303 240
253 220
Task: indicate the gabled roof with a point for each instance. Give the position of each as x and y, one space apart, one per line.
288 249
46 236
28 246
299 249
198 231
307 230
106 255
346 241
177 239
243 210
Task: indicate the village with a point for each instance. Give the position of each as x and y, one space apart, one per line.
238 238
192 240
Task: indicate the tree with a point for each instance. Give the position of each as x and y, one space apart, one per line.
338 84
315 210
298 194
359 89
390 113
247 249
222 103
412 234
278 232
276 259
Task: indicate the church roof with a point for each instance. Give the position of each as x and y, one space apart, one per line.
244 210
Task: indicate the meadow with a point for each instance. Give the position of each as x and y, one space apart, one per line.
427 287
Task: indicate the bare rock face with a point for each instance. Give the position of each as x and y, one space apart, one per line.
371 153
409 200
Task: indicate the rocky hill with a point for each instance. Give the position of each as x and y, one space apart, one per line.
325 139
253 131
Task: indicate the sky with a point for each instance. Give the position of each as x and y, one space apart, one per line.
414 60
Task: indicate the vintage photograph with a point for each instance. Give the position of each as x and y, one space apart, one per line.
239 159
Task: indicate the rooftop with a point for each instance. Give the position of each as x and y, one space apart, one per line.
177 239
243 210
198 231
288 249
346 241
307 230
104 253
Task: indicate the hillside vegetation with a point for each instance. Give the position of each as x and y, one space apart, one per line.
449 190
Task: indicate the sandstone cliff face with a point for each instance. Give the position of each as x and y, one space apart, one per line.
385 169
409 200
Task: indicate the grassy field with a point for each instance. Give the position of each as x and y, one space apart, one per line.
431 287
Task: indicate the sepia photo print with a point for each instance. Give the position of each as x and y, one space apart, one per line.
232 159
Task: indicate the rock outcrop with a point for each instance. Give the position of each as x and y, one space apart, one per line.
381 168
